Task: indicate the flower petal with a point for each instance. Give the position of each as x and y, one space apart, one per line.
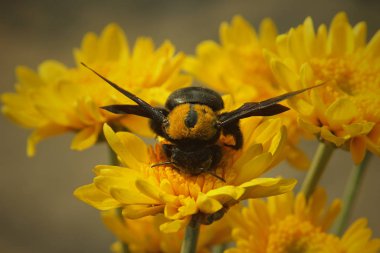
207 204
139 211
96 198
41 134
265 187
86 137
341 111
129 197
173 226
329 136
127 153
253 168
358 149
226 193
286 77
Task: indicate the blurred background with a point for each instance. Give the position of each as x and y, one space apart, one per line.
38 212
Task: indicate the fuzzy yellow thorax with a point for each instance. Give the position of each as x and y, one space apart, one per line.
204 128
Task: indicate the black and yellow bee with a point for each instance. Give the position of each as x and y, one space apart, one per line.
192 124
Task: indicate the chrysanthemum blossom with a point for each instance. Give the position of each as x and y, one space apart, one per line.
144 235
140 189
56 99
346 110
285 224
237 66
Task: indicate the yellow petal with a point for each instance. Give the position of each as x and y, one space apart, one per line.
331 215
309 36
135 146
127 153
265 187
138 125
307 76
188 207
321 42
139 211
207 204
28 79
173 226
253 168
247 155
96 198
268 33
148 189
240 33
88 50
41 134
360 33
341 38
310 128
358 149
296 45
327 135
112 43
114 177
373 140
286 77
266 130
302 107
360 128
373 47
129 197
342 111
51 70
225 193
86 138
278 142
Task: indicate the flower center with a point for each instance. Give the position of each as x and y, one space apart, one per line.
359 80
186 184
292 235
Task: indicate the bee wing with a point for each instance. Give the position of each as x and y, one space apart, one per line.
127 109
249 110
146 108
264 108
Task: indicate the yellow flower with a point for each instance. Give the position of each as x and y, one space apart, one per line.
345 111
286 224
57 99
143 235
141 190
237 66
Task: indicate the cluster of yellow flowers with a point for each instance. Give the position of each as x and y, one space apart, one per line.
146 207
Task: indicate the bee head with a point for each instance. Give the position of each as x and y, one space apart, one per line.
191 121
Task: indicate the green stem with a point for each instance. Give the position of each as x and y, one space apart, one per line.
350 194
115 161
189 244
317 167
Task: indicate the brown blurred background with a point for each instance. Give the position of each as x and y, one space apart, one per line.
38 212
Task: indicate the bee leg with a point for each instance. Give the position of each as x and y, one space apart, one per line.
212 173
216 157
167 148
234 130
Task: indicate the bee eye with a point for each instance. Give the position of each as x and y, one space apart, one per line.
191 117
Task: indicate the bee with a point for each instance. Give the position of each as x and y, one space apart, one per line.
192 124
